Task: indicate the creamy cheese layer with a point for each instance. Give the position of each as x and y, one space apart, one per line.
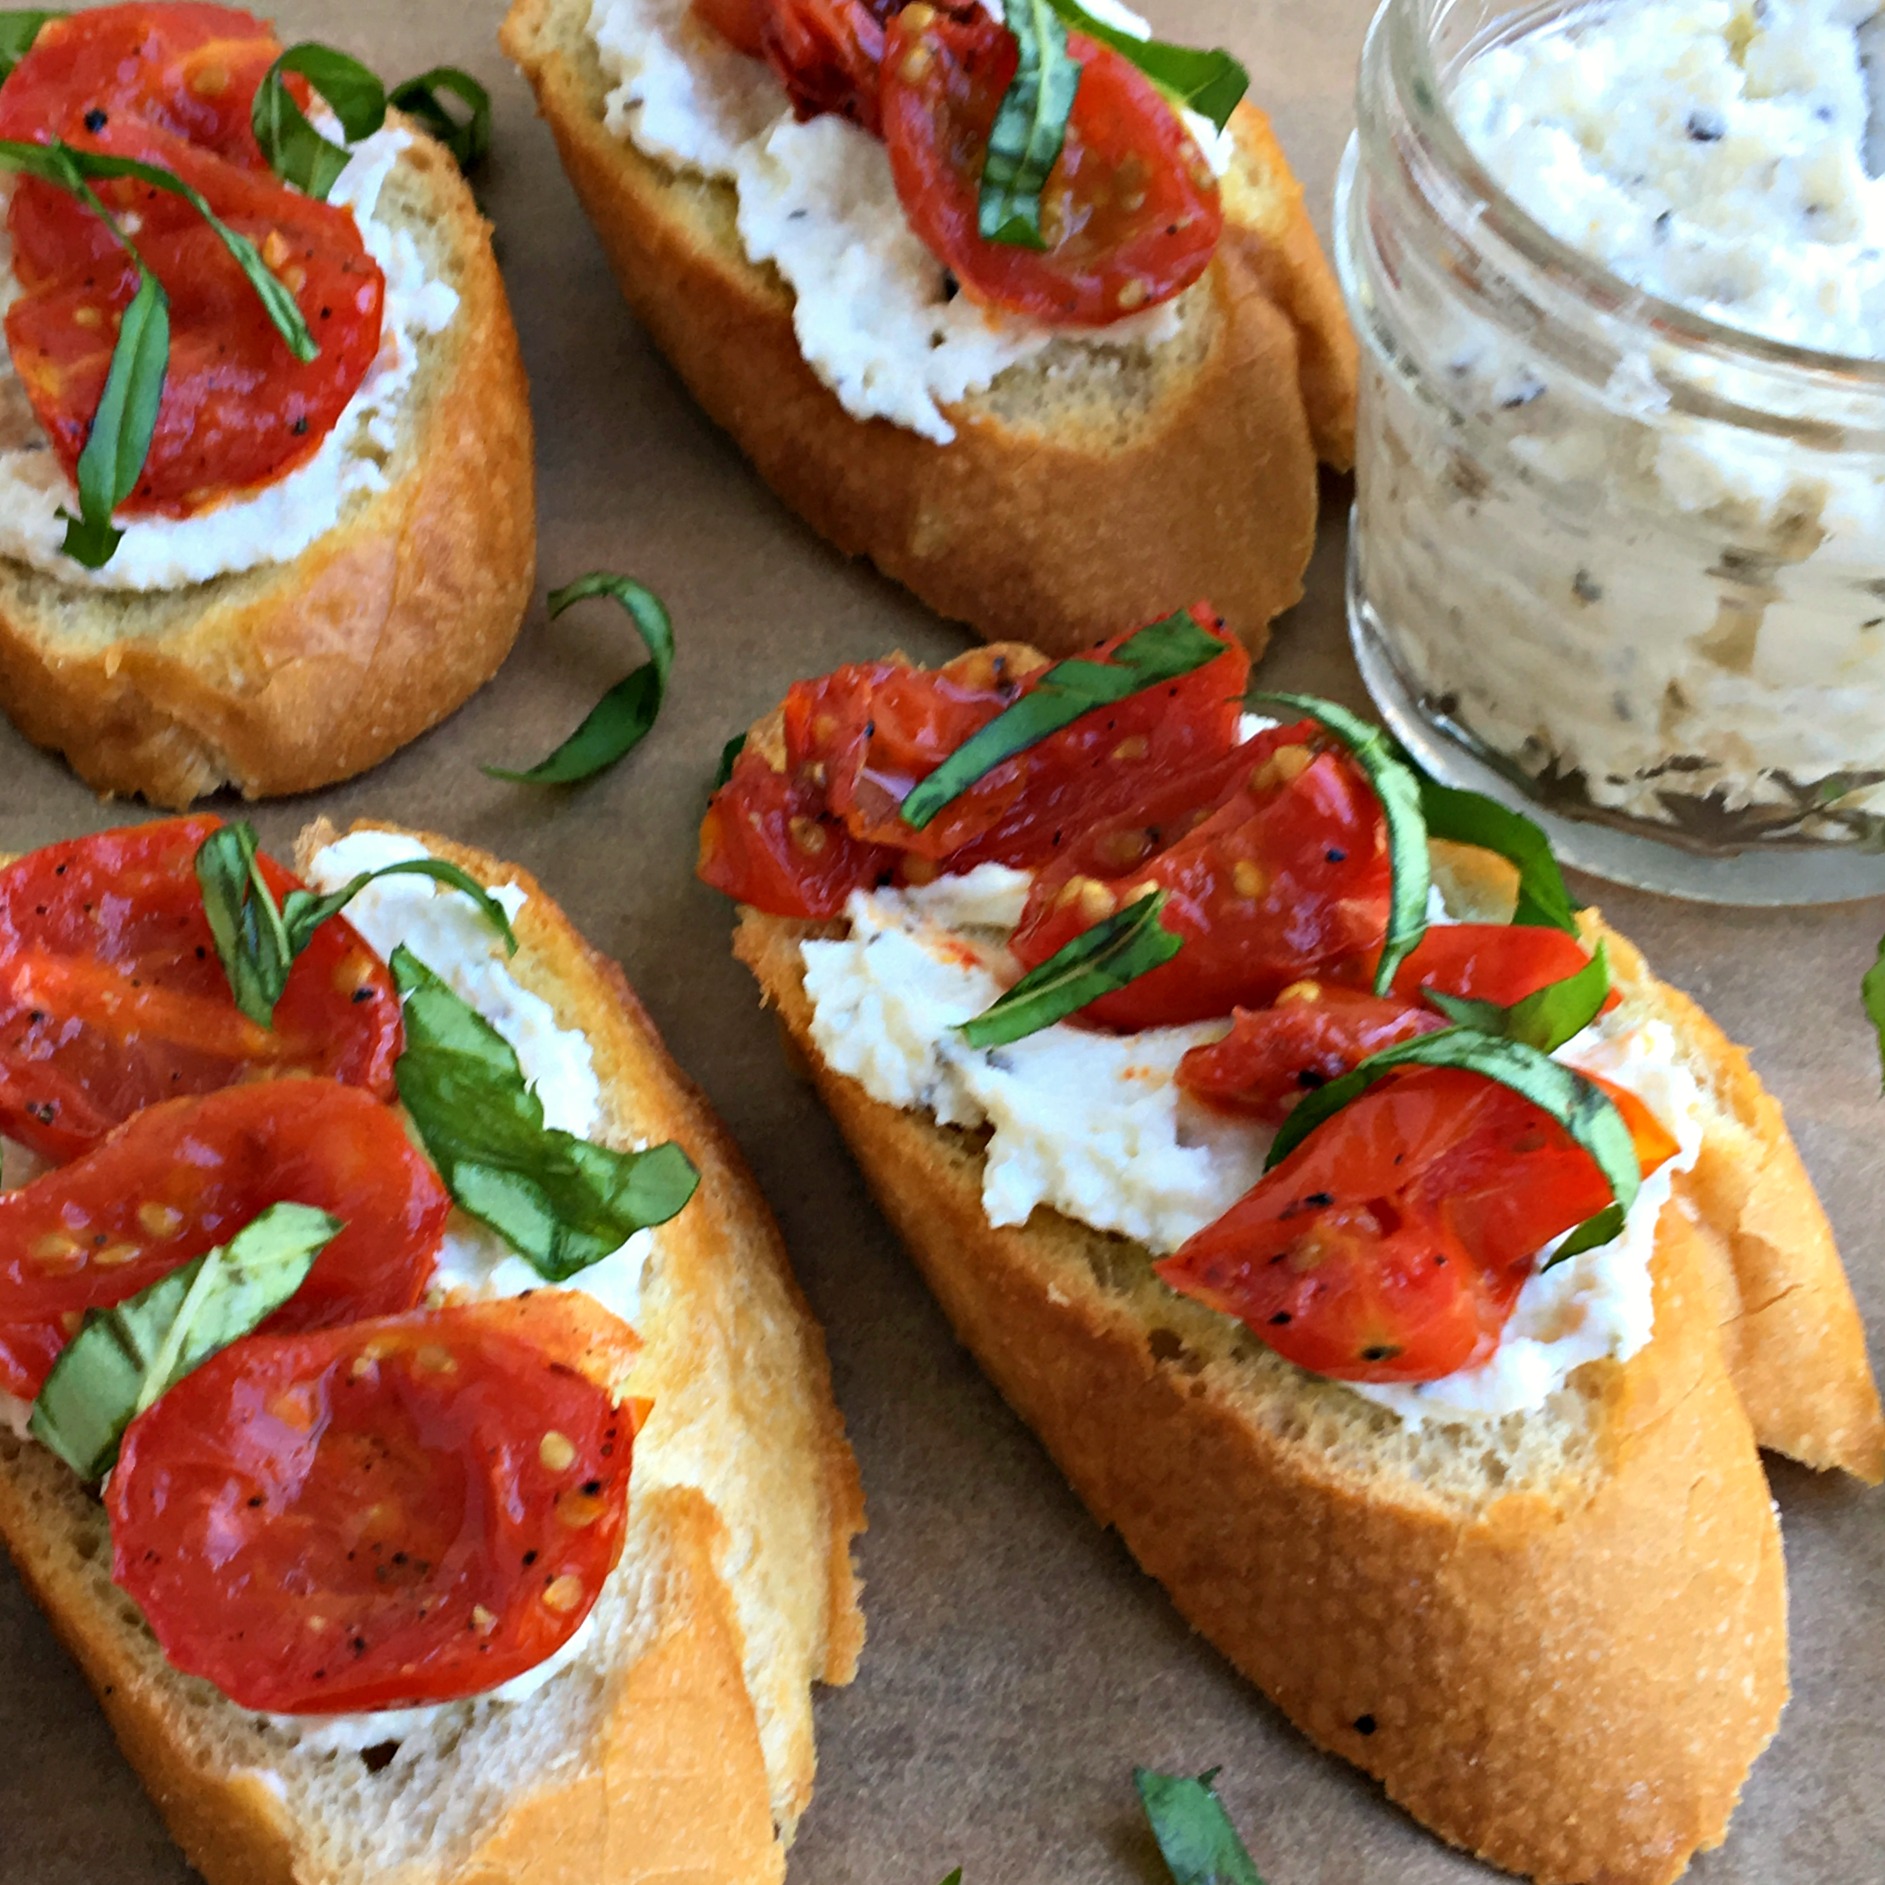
876 315
1093 1125
278 522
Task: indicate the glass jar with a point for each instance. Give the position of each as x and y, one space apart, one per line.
1616 563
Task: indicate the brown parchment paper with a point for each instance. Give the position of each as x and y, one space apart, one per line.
1018 1663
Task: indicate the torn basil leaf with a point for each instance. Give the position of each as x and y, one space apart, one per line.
728 754
1463 817
1064 692
1872 994
258 942
1119 949
1397 786
1209 83
560 1202
1030 126
467 138
124 1359
296 152
621 719
1579 1105
18 30
1544 1019
1195 1837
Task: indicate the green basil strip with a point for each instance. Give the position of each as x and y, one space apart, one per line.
1579 1105
728 754
1544 1019
1209 83
954 1878
469 138
258 944
1030 127
18 30
621 719
1124 946
1397 786
296 152
1067 690
123 425
124 1359
1872 993
1195 1837
1464 817
560 1202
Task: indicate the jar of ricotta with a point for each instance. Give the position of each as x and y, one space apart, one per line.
1619 543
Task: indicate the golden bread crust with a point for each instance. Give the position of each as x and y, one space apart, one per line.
1523 1677
1017 530
297 675
704 1761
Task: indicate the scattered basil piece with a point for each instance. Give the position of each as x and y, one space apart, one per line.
1195 1837
1067 690
1117 950
296 152
468 138
124 1359
954 1878
560 1202
620 720
1544 1019
728 754
1209 83
1579 1105
1030 126
120 439
1464 817
258 943
1397 786
18 30
1872 993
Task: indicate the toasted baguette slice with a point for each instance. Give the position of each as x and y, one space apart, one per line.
1082 490
1559 1639
679 1747
295 675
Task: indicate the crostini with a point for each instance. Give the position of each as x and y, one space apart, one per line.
272 575
1408 1275
1116 406
474 1502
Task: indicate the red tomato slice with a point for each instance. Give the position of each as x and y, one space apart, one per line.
741 23
828 53
1288 874
392 1513
1130 212
173 86
1392 1243
182 1177
1315 1033
1318 1031
112 997
1103 791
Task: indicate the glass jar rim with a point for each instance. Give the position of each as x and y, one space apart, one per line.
1408 31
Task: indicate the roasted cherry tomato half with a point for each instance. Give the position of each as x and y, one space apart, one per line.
1289 873
172 86
1130 212
1393 1242
112 996
388 1514
1317 1031
184 1176
828 53
741 23
1100 793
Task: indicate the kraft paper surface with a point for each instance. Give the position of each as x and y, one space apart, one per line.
1018 1663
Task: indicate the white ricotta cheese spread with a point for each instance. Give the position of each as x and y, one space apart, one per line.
876 316
1093 1125
1609 580
271 525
